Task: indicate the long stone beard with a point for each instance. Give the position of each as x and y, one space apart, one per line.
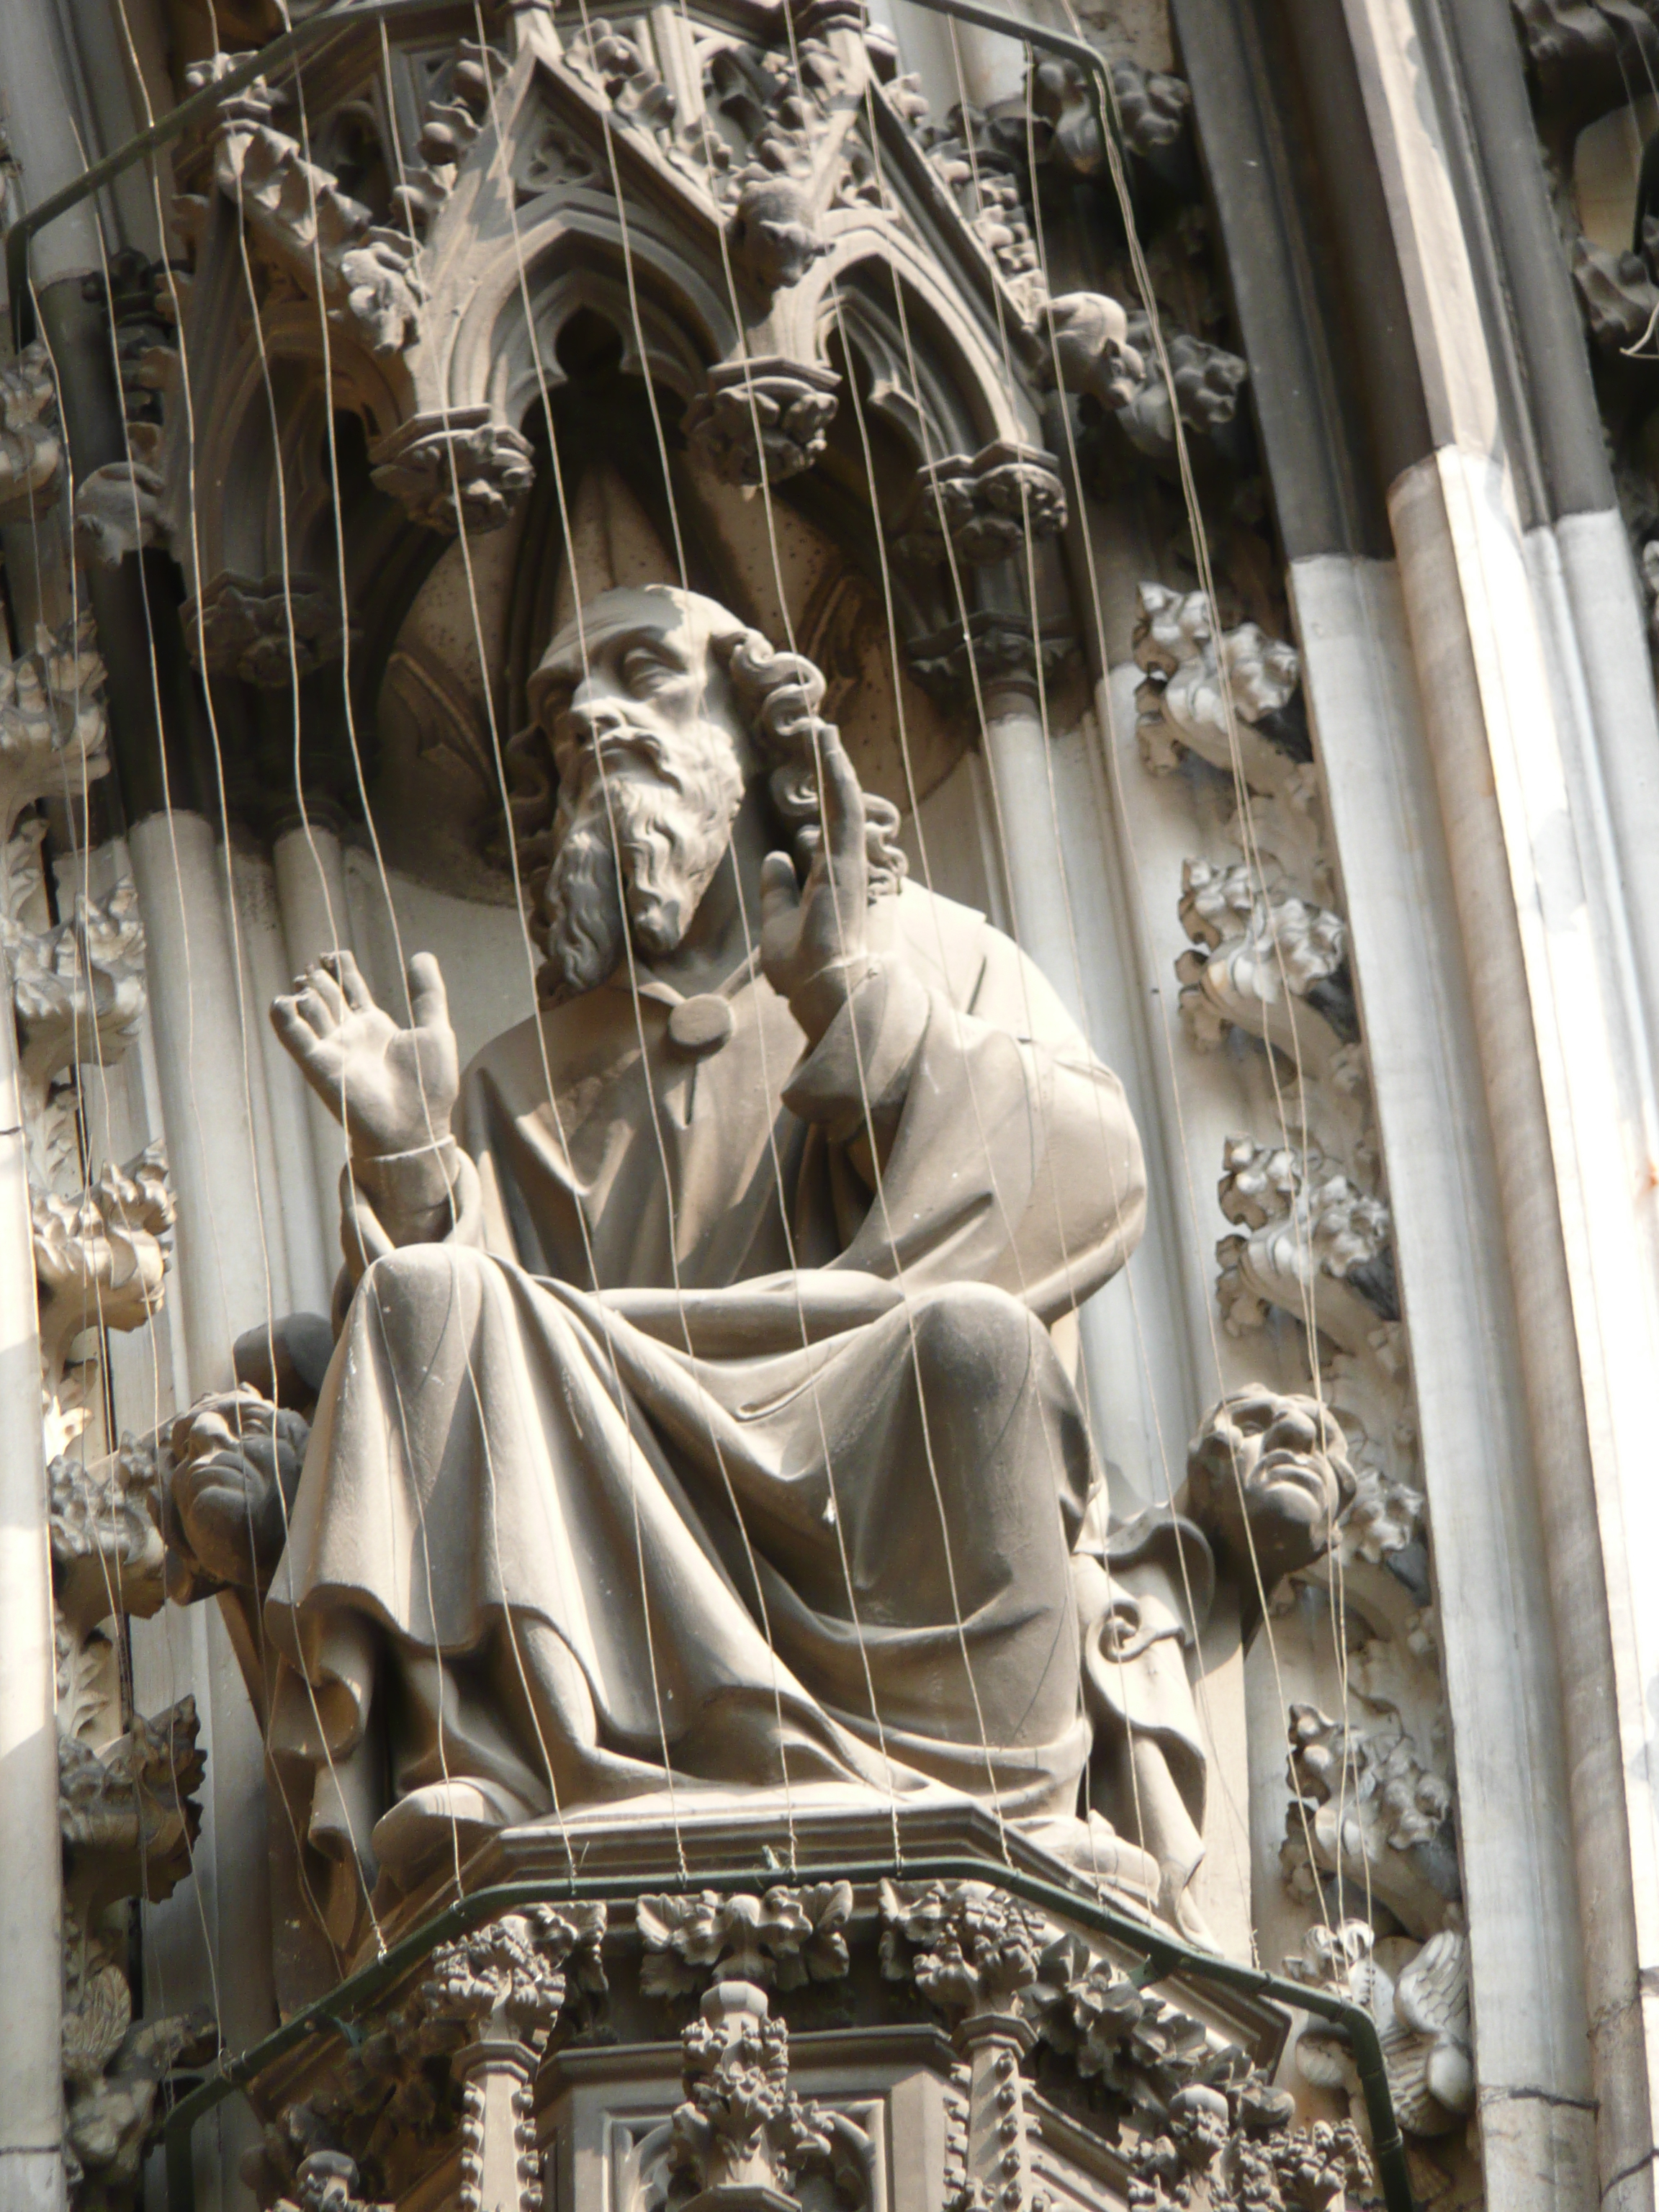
672 809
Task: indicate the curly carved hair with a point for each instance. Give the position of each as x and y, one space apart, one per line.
779 695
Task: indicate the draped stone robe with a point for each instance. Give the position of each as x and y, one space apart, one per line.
731 1383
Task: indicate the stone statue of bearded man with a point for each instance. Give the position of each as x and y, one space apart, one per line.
695 1420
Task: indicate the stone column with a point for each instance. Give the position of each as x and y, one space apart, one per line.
1056 839
31 1892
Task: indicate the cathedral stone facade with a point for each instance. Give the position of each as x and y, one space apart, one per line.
830 1207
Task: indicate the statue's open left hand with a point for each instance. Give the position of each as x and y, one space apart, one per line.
814 940
394 1089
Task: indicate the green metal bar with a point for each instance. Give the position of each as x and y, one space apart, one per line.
329 2014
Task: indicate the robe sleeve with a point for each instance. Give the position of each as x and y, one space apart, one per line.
1006 1153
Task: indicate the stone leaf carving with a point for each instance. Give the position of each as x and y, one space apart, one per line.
986 505
783 1939
317 232
1418 1996
101 1257
107 1551
1213 2158
77 990
512 1977
1314 1245
1179 705
31 440
113 2088
742 2140
1207 381
460 469
128 1812
1370 1805
1262 949
1153 113
262 630
763 419
53 727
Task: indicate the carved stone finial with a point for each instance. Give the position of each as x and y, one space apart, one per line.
743 2141
464 468
500 1988
763 419
785 1939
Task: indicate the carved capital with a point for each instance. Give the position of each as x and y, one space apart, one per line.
984 505
464 468
262 630
762 420
990 647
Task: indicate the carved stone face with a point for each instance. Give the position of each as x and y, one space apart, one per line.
1267 1476
653 759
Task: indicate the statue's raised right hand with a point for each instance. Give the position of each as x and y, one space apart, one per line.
394 1089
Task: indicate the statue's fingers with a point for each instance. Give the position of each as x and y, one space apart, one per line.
291 1025
342 966
779 894
428 1001
843 800
322 982
315 1010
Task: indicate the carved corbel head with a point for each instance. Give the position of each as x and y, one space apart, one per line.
1267 1476
771 234
1089 349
